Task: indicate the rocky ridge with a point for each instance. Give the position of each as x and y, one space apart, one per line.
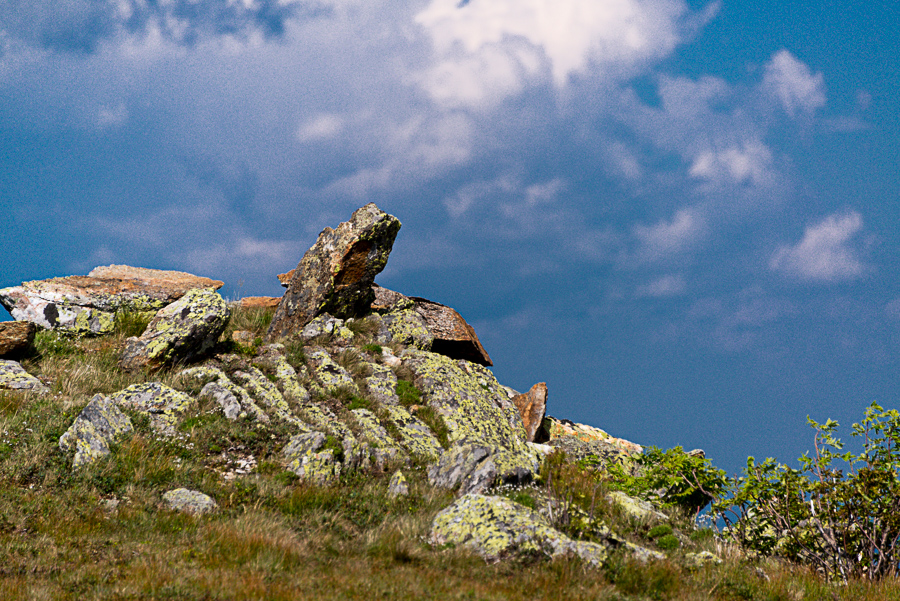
362 378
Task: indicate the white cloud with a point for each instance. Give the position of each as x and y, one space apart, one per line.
321 127
544 193
667 238
112 116
824 253
486 50
667 285
466 197
793 84
750 163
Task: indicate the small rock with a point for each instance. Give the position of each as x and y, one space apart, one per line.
16 337
331 375
336 274
180 332
259 302
532 405
164 405
398 486
637 508
189 501
14 377
326 325
703 558
243 337
553 428
407 327
98 425
229 403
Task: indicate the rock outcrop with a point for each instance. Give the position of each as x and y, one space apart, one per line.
16 337
180 332
532 406
336 274
87 304
100 424
452 336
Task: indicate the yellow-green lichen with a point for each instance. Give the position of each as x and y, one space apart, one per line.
99 424
164 405
415 436
332 376
408 328
14 377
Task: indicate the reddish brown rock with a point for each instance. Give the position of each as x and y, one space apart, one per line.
388 300
532 406
16 337
260 302
87 304
453 337
336 274
285 278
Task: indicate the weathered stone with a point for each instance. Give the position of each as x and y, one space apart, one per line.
553 428
164 405
331 375
207 374
472 469
14 377
302 457
16 337
325 325
266 392
189 501
453 337
407 327
495 527
475 408
87 304
243 337
382 448
285 278
532 405
637 508
98 425
272 357
387 300
382 385
229 403
695 561
337 273
598 453
180 332
259 302
398 486
415 436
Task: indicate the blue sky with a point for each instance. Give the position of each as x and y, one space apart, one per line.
683 216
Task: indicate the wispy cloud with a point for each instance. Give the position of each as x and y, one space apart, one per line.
792 82
750 162
665 286
668 238
825 253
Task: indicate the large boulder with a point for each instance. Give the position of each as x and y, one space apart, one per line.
88 304
16 337
180 332
483 424
336 274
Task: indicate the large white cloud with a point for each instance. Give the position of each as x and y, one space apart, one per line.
487 50
825 253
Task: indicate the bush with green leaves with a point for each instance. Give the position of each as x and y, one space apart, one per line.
671 478
843 522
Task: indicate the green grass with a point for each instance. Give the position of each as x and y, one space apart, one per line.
102 532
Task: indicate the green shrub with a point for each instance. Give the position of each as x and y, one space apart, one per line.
375 349
408 394
660 530
667 542
843 523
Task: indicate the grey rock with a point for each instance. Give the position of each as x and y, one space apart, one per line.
229 403
14 377
98 425
398 486
164 405
189 501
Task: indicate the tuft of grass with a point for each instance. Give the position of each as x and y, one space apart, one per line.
131 323
408 394
353 362
365 328
375 349
436 423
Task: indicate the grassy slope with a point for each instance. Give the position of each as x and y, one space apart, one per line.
275 538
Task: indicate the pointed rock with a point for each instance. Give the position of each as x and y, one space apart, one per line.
337 272
87 304
532 405
16 337
98 425
453 337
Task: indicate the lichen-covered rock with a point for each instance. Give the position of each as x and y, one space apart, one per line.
261 389
259 302
326 325
336 274
475 408
382 385
382 448
229 403
637 508
272 357
14 377
553 428
532 405
180 332
16 337
468 467
98 425
302 456
695 561
87 304
598 453
164 405
415 436
189 501
398 486
331 375
408 328
385 301
495 527
452 336
207 374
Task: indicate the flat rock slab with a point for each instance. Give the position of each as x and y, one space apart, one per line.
552 428
14 377
336 274
98 425
16 337
180 332
453 336
259 302
87 304
189 501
